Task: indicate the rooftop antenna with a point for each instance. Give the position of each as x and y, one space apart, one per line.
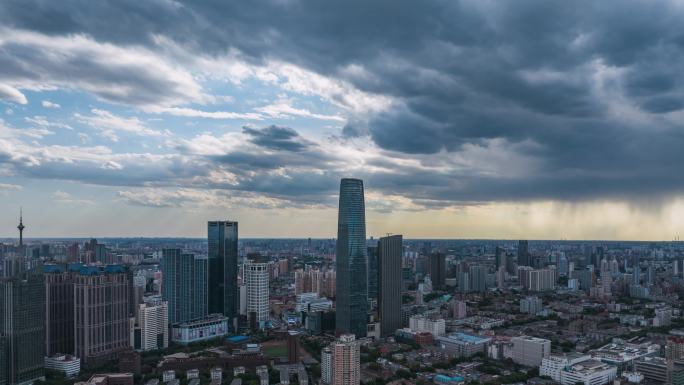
21 227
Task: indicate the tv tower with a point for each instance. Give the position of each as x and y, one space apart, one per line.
21 228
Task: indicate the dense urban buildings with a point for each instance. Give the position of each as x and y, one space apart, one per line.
351 260
575 313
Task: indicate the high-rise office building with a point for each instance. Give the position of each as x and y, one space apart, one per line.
101 313
101 254
437 271
22 328
464 283
389 283
523 254
153 321
636 271
373 273
500 256
59 308
536 279
478 278
223 268
346 357
256 281
184 285
352 281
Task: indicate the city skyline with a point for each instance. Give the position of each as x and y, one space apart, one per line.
464 119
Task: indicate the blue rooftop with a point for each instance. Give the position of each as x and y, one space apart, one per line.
89 270
75 266
443 378
52 268
472 338
237 339
114 269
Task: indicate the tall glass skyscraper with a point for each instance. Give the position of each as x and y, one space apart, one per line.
223 268
184 285
22 328
352 269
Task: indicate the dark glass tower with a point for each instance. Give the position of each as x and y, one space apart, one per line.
184 285
223 267
438 271
22 328
523 253
352 264
389 283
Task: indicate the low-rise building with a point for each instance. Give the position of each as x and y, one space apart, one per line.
622 353
191 374
421 323
217 373
553 365
588 372
652 368
65 363
168 375
463 344
213 326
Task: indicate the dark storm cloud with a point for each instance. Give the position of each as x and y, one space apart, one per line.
593 87
277 138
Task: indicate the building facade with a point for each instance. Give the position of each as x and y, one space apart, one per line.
256 282
223 268
437 268
184 285
59 309
213 326
346 357
101 317
153 320
530 351
22 328
352 280
389 283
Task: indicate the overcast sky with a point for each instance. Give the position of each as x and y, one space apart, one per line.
485 119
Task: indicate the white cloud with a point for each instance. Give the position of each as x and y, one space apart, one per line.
128 75
193 113
44 122
12 94
282 108
49 104
66 198
109 124
9 187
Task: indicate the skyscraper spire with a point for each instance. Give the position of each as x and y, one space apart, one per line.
21 228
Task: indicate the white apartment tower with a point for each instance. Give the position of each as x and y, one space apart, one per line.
256 281
154 320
